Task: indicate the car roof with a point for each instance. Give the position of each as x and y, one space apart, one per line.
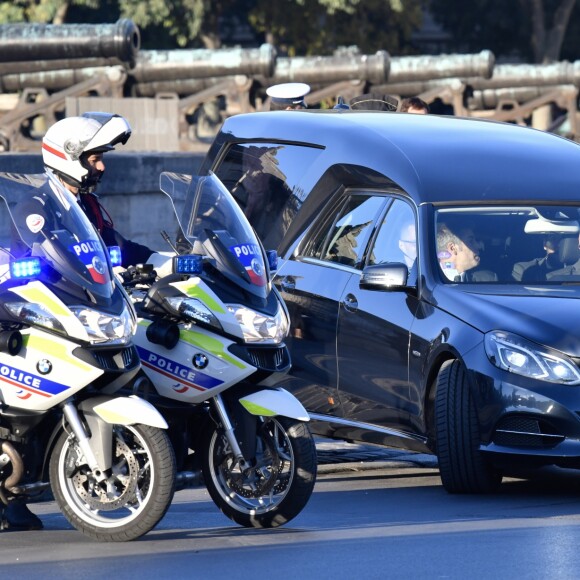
435 159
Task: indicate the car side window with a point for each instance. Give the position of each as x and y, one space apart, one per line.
346 237
396 240
264 179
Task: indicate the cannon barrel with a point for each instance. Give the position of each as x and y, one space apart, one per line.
411 89
34 41
329 69
171 65
528 75
40 66
491 98
428 67
181 87
56 80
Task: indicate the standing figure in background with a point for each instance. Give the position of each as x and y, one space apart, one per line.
414 105
288 96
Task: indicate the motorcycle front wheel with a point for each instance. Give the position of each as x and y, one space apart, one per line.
135 494
278 484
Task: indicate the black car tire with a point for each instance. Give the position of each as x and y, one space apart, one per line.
462 467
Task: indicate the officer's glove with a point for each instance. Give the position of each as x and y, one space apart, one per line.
162 263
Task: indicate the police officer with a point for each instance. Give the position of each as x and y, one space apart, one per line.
72 151
288 96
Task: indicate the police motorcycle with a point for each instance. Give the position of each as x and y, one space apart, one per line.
66 329
210 337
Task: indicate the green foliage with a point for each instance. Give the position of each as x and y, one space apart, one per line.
307 27
504 27
298 27
182 20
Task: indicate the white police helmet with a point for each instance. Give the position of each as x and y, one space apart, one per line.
68 143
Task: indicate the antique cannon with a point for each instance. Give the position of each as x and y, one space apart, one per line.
530 75
39 42
53 80
329 69
181 64
430 67
492 98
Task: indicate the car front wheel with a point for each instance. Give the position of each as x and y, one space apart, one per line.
462 466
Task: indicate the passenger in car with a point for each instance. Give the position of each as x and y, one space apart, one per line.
569 254
537 270
458 254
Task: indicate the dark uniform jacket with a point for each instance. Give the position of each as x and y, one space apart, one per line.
131 252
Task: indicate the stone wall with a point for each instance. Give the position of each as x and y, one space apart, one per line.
129 189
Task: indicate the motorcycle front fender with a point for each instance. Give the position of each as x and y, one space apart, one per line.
101 413
272 402
127 411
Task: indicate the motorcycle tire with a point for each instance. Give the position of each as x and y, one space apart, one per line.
277 488
131 500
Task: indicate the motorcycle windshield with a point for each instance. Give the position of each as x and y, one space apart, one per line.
44 221
214 224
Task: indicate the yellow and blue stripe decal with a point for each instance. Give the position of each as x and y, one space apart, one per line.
30 382
176 371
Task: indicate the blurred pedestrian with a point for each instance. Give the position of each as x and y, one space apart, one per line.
414 105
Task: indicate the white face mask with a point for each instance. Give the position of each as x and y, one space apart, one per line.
449 270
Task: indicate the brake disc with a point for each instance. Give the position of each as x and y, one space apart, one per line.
253 482
118 489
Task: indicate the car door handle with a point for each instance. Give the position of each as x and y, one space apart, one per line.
288 283
350 303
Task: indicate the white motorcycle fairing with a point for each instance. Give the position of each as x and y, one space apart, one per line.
273 402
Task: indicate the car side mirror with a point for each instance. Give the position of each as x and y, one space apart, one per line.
384 277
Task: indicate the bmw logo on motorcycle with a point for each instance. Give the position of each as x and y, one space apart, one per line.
200 361
43 366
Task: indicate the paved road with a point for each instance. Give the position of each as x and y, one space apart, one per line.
394 522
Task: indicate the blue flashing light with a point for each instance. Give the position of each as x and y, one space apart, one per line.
25 268
190 264
272 256
115 255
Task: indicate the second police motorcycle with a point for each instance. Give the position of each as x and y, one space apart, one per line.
211 340
66 329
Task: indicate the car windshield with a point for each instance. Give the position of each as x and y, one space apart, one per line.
508 244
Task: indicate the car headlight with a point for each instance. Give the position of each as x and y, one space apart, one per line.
34 314
517 355
194 309
259 327
103 327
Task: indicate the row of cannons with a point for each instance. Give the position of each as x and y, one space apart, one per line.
49 71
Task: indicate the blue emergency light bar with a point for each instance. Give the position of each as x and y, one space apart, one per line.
25 268
272 256
115 255
190 264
